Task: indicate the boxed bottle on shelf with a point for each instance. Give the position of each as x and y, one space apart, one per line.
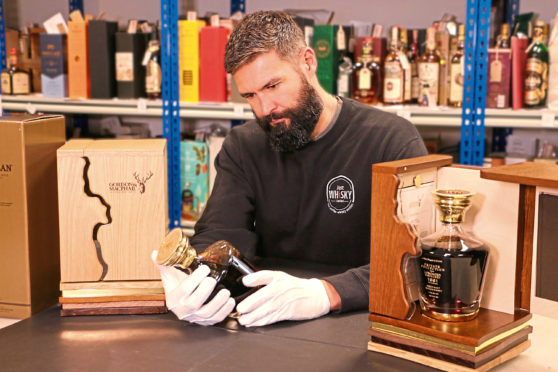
130 73
54 61
101 39
194 180
79 85
189 57
213 78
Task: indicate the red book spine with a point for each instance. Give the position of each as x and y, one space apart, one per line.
518 67
213 78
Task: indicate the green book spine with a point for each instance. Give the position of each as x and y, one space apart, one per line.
328 56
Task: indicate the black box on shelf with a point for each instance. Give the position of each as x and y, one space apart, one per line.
130 74
54 65
101 58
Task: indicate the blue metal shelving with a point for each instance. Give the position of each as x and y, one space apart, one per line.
474 87
171 107
2 39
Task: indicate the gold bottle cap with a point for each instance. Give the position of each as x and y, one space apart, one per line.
175 250
452 203
505 29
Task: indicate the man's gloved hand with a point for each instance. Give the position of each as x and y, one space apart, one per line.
186 294
283 297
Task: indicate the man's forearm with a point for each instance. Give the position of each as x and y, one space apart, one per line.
332 295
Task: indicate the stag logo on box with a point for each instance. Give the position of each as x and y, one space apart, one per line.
340 194
125 187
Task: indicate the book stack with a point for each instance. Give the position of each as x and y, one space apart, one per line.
112 297
480 344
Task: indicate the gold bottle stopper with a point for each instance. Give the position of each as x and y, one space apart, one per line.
175 250
452 203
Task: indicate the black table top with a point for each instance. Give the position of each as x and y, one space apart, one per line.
49 342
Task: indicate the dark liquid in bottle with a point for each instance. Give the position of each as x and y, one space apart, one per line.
451 280
228 276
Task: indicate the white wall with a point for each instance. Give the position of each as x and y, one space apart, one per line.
408 13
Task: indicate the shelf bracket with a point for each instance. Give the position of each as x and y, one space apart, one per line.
76 5
171 107
2 38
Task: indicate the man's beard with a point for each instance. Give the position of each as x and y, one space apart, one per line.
303 119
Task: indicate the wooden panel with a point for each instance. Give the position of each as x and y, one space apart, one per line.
76 300
527 173
447 366
525 236
113 304
115 311
111 284
114 190
487 325
412 164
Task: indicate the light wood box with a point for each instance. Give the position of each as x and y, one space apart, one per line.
29 255
113 208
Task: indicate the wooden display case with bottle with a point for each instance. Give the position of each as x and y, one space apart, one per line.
403 214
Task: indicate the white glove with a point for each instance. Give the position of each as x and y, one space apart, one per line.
284 297
186 294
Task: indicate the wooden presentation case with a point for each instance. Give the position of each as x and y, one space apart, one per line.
503 215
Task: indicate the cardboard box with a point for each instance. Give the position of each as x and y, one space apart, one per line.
130 74
213 78
113 208
194 180
79 85
499 78
519 56
101 58
325 47
29 255
189 59
54 65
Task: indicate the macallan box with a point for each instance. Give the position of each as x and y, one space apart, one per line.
29 255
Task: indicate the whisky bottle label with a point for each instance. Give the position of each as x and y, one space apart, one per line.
343 85
20 83
535 81
495 75
153 78
429 76
456 82
364 79
124 66
393 83
6 83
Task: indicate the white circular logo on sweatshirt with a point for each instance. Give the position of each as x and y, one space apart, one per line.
340 194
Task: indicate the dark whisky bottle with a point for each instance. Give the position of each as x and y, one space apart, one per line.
452 264
366 75
14 79
503 40
536 70
413 60
226 263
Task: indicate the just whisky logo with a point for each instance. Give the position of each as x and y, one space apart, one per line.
340 194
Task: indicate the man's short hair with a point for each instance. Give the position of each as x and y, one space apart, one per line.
262 32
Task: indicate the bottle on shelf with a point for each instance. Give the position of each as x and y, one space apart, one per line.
413 59
503 40
536 70
14 79
457 70
367 75
429 71
452 264
394 75
344 75
407 72
152 62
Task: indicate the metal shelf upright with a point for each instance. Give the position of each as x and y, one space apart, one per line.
2 39
171 107
474 88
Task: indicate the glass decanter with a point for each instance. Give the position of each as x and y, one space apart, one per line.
226 263
452 264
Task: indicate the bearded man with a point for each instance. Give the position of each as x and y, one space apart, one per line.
293 184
